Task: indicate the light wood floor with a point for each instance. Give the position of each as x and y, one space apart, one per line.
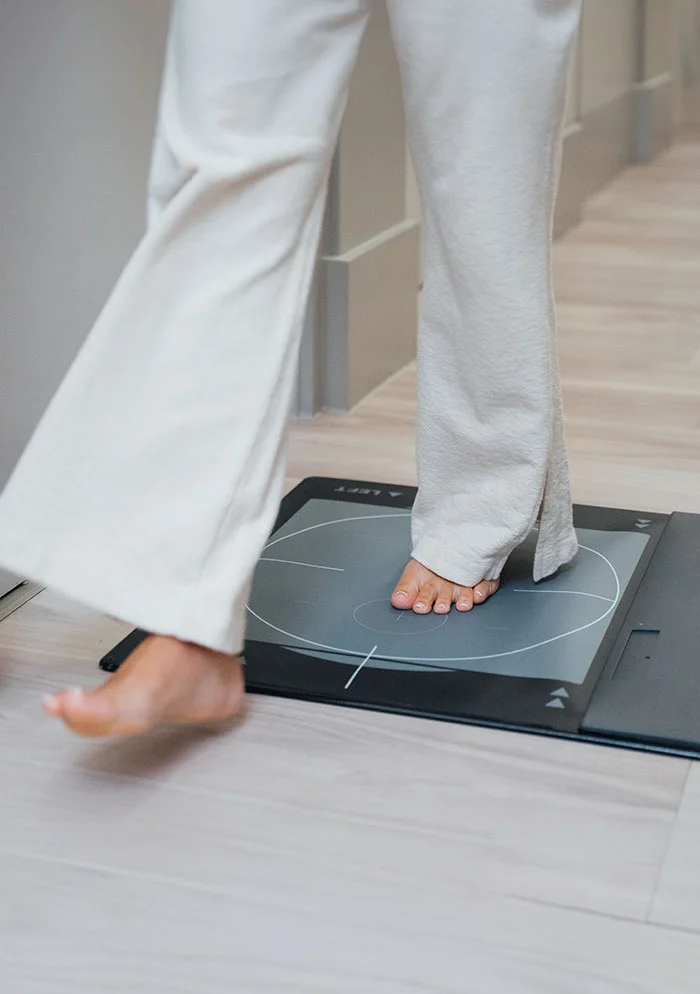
323 850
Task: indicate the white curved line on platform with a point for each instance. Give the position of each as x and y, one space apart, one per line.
449 659
290 562
577 593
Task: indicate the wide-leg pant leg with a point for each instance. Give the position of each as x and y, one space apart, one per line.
153 480
485 84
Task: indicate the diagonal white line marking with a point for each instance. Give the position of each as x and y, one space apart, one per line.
365 660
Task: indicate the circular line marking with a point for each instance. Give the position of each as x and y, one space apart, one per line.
577 593
291 562
435 659
438 621
337 521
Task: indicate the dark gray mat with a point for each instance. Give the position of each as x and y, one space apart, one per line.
324 582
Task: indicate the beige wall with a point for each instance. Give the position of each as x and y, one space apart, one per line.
608 51
412 198
370 151
662 37
608 62
689 26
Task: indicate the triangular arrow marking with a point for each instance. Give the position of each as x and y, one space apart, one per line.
394 494
562 692
556 703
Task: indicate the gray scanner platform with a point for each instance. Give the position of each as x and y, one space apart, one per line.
606 651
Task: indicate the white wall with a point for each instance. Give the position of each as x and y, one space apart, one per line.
79 82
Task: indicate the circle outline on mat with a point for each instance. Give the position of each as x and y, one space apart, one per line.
432 659
439 619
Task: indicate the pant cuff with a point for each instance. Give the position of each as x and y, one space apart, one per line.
104 582
462 570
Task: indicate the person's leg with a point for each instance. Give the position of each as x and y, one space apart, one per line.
485 85
153 480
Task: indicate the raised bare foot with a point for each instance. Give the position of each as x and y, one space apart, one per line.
164 681
423 591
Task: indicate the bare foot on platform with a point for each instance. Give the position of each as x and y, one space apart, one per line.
423 591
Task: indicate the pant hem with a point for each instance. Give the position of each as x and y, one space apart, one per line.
464 571
106 590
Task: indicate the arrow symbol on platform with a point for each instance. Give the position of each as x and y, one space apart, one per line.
556 703
642 523
393 493
562 692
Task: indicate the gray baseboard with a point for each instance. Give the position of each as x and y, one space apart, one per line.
370 305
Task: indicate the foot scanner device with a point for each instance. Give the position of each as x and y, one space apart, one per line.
606 651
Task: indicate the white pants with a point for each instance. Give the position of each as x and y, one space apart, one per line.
153 479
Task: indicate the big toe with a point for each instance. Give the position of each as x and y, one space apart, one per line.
403 597
406 590
93 714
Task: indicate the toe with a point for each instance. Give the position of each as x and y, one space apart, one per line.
406 591
465 599
92 714
52 705
444 599
65 702
403 597
425 599
484 590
